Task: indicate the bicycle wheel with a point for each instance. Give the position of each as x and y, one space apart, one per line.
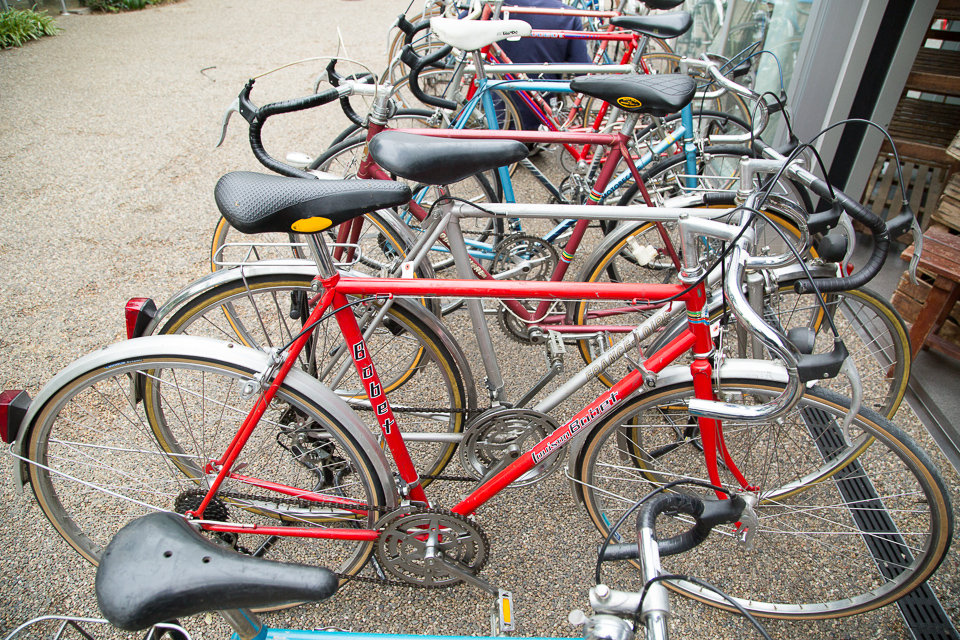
130 430
419 374
843 509
640 252
872 330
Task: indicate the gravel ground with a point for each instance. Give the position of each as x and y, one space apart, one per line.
108 170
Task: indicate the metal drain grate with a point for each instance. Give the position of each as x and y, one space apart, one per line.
921 610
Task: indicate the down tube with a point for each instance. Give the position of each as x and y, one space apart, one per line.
552 443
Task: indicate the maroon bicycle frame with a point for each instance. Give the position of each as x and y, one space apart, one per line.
349 233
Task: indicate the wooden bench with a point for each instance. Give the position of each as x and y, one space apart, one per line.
941 259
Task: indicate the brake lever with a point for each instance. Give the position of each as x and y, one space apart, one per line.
847 226
323 77
849 370
917 250
746 531
233 108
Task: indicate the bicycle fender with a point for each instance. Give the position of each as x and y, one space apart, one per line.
735 369
253 360
212 280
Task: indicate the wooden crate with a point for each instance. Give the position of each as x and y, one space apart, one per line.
925 183
948 210
908 299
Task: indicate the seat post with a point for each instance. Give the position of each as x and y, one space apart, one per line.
245 623
321 255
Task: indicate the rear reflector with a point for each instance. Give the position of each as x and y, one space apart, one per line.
13 407
139 312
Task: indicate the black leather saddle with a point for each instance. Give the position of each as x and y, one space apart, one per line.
429 160
158 568
664 25
662 5
658 95
260 203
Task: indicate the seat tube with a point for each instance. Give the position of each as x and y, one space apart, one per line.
490 112
321 256
463 263
689 146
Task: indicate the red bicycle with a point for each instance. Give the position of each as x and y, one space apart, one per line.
266 459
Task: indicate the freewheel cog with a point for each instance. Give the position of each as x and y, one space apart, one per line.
494 434
415 547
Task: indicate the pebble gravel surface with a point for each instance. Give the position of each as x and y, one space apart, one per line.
107 168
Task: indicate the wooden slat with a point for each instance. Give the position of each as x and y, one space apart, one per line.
936 71
933 198
883 195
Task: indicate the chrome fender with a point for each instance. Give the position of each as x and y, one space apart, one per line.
230 354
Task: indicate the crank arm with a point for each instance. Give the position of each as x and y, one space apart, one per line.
456 570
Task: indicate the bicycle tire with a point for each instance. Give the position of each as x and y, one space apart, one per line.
803 481
94 450
415 366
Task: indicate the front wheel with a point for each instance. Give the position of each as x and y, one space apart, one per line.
132 430
829 512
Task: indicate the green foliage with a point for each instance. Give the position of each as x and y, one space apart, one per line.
20 26
113 6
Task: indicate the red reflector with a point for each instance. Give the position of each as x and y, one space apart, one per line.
138 312
13 407
849 268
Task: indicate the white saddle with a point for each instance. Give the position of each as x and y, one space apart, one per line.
470 35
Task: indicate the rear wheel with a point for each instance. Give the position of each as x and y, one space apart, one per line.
100 458
829 512
421 378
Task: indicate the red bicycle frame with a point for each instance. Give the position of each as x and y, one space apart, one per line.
336 289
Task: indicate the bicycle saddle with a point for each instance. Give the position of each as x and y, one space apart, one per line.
159 568
658 95
662 5
665 25
259 203
470 35
430 160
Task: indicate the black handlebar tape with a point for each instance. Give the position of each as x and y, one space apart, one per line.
335 79
411 29
902 223
624 551
678 503
822 189
881 244
287 106
719 198
416 64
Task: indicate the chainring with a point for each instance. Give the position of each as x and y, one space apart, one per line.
405 545
487 440
524 257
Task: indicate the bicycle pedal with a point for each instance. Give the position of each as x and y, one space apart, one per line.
505 612
555 346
